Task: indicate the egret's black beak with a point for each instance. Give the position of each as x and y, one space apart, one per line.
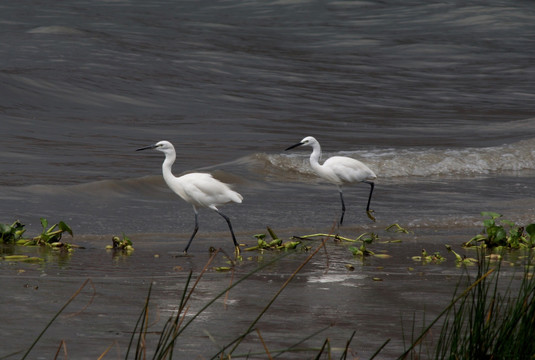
147 147
294 146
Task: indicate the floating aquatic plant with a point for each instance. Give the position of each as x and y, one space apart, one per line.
397 229
426 258
366 239
123 244
11 233
501 233
50 236
22 258
461 259
275 244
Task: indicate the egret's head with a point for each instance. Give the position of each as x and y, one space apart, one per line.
309 140
163 146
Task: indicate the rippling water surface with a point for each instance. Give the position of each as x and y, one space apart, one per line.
436 97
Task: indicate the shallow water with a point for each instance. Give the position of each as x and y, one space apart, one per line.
376 299
435 97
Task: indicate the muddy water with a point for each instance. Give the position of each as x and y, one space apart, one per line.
377 298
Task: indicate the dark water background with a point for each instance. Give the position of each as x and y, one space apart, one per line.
436 97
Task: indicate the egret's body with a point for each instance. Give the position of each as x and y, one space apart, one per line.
199 189
339 170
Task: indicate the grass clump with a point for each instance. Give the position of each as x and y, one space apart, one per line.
486 321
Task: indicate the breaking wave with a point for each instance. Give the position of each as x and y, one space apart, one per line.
416 162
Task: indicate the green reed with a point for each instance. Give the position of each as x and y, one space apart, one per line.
488 320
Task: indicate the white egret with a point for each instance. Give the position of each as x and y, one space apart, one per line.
198 189
339 170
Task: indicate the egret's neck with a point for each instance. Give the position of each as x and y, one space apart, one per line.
315 156
167 166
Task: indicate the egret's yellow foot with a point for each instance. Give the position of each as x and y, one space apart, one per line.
369 213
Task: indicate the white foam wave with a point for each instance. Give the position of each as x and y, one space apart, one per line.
419 162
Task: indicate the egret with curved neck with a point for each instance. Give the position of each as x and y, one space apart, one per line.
339 170
199 189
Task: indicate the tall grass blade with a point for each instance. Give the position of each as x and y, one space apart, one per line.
326 343
346 350
76 293
380 349
445 311
167 347
255 321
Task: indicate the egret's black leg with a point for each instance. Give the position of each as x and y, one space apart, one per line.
194 232
343 207
237 247
368 211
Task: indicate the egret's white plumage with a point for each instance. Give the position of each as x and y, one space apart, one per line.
339 170
198 189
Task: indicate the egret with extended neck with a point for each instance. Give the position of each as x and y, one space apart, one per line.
339 170
199 189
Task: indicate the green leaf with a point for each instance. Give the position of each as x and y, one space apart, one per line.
5 229
491 214
500 234
44 223
509 222
272 233
530 229
65 228
488 223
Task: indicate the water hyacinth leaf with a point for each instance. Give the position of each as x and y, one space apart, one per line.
508 222
491 214
272 233
5 228
501 234
458 257
65 228
11 233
